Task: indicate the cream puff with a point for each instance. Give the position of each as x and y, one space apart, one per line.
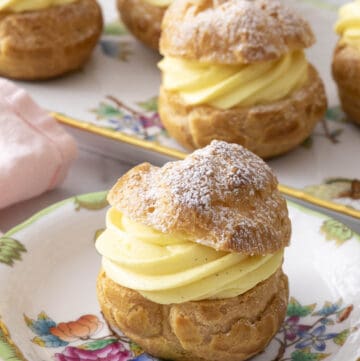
47 38
143 18
346 60
192 256
236 70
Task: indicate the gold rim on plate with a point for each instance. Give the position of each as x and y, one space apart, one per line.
286 190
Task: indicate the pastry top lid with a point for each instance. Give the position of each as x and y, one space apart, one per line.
232 31
222 196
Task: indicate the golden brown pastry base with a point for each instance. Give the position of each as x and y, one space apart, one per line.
48 43
266 130
232 329
143 20
346 72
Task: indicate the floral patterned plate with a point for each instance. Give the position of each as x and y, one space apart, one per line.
49 311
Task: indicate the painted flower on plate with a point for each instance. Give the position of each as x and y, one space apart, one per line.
329 308
113 352
293 329
316 339
81 329
41 327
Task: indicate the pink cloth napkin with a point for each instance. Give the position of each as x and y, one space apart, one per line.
35 152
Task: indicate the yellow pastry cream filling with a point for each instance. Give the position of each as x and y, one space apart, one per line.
168 268
348 25
159 3
28 5
226 86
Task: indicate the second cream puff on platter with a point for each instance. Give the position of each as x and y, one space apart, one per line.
48 38
192 256
143 18
236 70
346 60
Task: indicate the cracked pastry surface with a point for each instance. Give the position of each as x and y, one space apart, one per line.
256 30
222 195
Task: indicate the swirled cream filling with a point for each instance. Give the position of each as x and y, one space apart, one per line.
28 5
226 86
168 268
348 25
159 3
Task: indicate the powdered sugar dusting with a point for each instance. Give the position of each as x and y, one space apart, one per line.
233 31
215 173
222 196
